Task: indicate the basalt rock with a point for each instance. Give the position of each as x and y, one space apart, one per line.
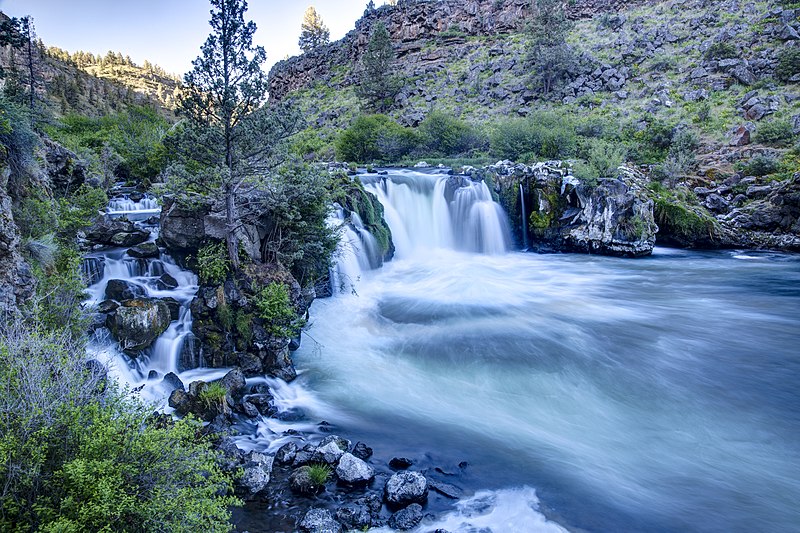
136 324
563 213
107 232
404 488
16 279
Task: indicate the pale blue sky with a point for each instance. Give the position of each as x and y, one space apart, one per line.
169 32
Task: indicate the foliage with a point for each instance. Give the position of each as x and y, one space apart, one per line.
603 158
760 165
127 144
443 134
550 57
377 85
721 50
295 212
78 211
242 322
319 473
375 138
774 133
313 33
76 454
212 263
788 63
212 394
274 307
543 135
17 140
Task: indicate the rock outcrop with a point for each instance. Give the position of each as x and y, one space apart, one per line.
16 280
563 213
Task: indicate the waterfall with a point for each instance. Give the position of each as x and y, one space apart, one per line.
426 211
357 251
133 210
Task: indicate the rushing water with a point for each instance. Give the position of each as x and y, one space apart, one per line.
559 391
657 394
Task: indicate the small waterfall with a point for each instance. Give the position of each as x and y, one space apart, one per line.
426 211
133 210
358 251
523 216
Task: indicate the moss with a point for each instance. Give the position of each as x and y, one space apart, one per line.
682 223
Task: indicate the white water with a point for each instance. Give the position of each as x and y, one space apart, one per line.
141 210
638 395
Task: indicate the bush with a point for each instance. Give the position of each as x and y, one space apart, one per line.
213 264
60 293
760 165
76 454
213 395
546 135
78 211
274 307
19 141
721 50
774 133
374 138
788 64
445 135
604 157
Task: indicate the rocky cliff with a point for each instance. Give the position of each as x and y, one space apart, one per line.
16 281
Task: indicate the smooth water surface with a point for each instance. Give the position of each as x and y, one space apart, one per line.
650 394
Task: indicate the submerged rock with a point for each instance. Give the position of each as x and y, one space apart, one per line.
407 518
354 516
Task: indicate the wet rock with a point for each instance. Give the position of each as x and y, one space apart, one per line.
172 382
116 233
107 306
407 518
319 521
174 307
256 473
362 451
286 453
400 463
304 455
180 401
406 487
138 323
144 250
166 282
445 489
354 471
354 516
249 410
262 402
331 449
234 382
120 289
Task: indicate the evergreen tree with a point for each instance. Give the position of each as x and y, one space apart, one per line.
229 132
550 57
313 32
378 86
370 6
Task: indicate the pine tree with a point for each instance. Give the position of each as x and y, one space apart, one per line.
378 86
313 32
370 6
550 57
229 131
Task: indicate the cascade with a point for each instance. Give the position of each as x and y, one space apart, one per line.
133 210
429 211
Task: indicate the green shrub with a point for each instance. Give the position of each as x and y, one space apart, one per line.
36 217
774 133
78 211
212 263
273 305
760 165
18 139
374 138
213 395
319 473
225 316
788 64
604 157
547 135
76 454
443 134
60 293
242 322
721 50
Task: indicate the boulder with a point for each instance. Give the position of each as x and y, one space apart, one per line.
166 282
234 382
406 487
319 521
400 463
741 136
182 226
107 306
354 471
121 290
407 518
138 323
300 481
116 233
286 453
172 382
174 307
256 473
331 449
180 401
354 516
145 250
362 451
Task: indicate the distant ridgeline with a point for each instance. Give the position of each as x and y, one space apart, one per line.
410 23
89 84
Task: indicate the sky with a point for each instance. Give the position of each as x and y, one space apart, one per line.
169 33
